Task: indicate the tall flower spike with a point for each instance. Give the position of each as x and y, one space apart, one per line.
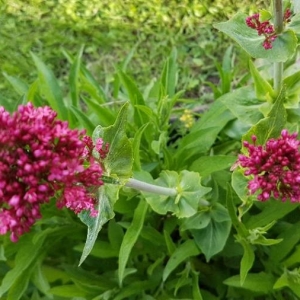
275 168
41 158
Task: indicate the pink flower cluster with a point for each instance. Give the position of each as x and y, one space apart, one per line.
262 28
41 158
266 28
275 168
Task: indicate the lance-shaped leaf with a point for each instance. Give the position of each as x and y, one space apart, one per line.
284 46
272 125
107 196
50 88
119 159
186 202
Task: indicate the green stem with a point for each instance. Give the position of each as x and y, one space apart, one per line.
151 188
278 24
278 72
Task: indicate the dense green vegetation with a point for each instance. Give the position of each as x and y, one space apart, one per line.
170 104
136 35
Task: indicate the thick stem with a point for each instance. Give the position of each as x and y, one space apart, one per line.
278 24
151 188
278 16
278 73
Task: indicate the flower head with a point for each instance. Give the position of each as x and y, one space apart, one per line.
41 158
275 168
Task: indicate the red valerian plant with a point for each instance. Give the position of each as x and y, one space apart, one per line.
275 167
266 28
41 158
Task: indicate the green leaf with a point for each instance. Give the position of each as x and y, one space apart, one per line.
292 83
169 242
90 279
291 237
225 72
238 225
135 288
119 160
33 94
169 74
100 249
104 114
83 119
87 82
74 78
182 253
39 279
212 238
115 234
293 259
136 148
247 259
20 285
289 279
24 259
206 165
284 46
219 213
246 110
152 235
196 287
2 253
107 195
55 274
49 88
262 87
272 125
183 281
135 96
272 210
186 202
198 221
260 282
239 184
295 21
203 134
69 290
91 86
19 86
131 236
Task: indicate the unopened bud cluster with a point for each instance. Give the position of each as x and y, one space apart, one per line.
275 168
266 28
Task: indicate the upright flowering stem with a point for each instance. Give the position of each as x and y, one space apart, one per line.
278 24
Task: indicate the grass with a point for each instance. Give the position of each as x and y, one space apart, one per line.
134 36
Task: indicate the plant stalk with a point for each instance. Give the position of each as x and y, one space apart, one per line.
278 24
151 188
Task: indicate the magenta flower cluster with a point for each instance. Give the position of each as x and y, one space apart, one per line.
266 28
275 168
41 158
262 28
